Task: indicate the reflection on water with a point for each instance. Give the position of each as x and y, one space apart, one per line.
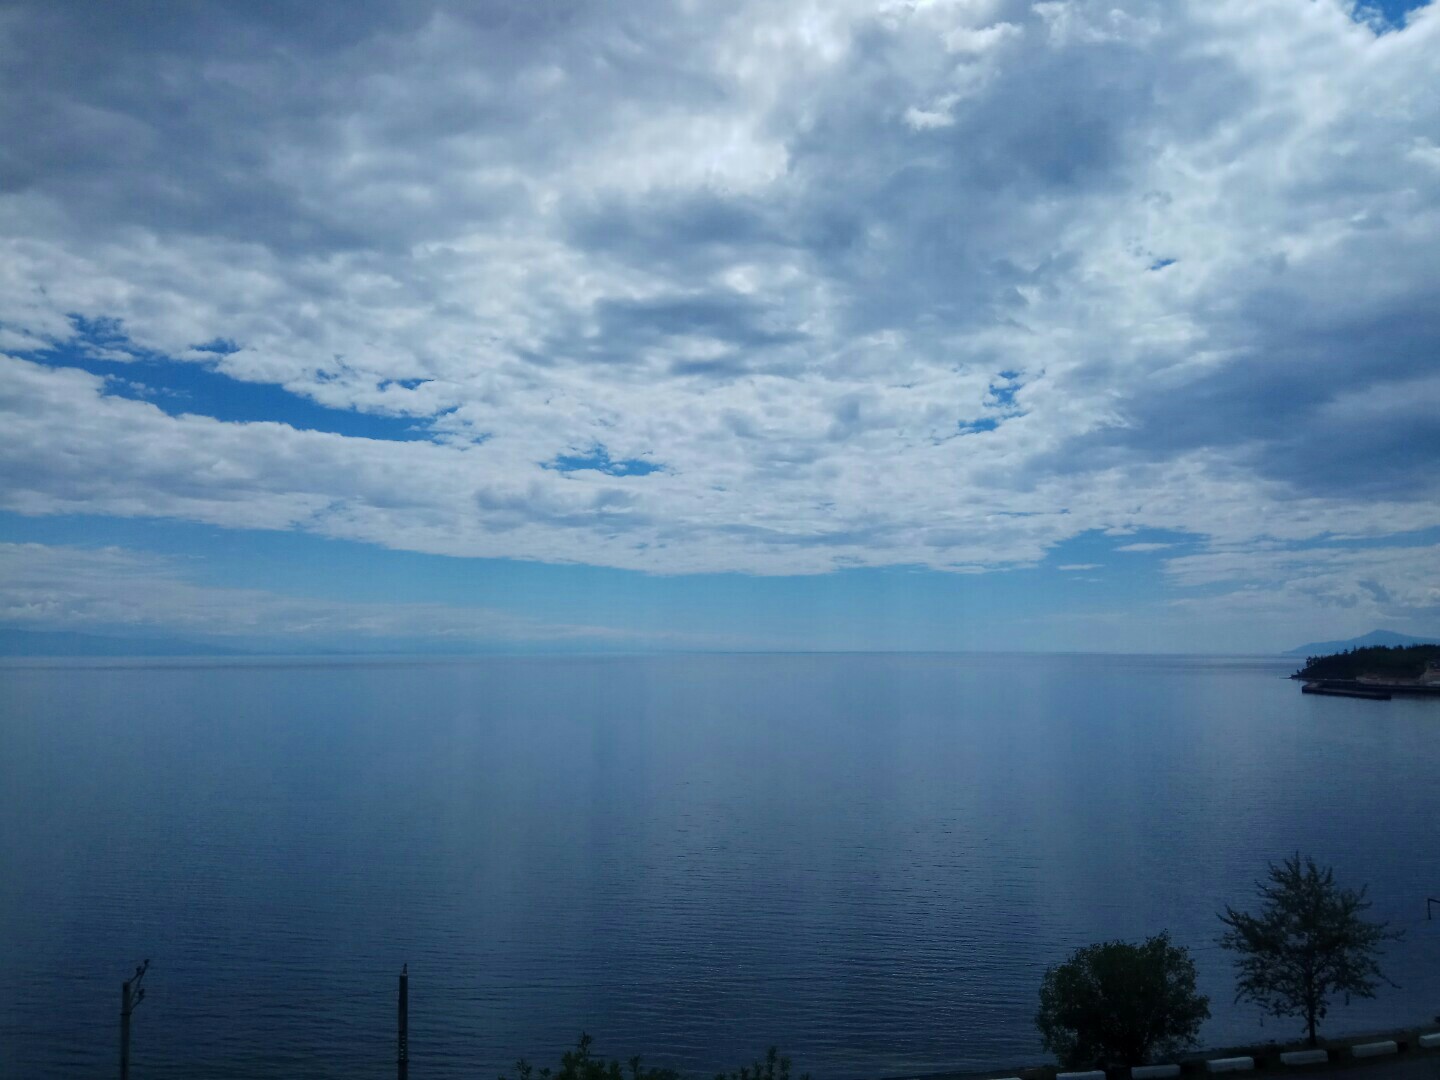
869 860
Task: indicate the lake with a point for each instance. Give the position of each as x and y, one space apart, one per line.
868 860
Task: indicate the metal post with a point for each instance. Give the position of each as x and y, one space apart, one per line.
403 1059
130 996
125 1030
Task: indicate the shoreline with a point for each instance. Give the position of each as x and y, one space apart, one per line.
1363 687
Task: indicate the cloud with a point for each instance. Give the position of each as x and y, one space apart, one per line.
1396 582
871 284
1141 548
45 587
1079 566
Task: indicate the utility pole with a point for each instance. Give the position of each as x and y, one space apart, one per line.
130 996
402 1061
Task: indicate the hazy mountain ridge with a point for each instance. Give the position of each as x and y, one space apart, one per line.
72 643
1375 637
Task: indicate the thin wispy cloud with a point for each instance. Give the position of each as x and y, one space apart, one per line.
118 591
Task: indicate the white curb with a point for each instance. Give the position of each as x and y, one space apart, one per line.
1235 1064
1433 1039
1154 1072
1375 1049
1093 1074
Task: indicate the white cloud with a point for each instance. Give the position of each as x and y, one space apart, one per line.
785 252
1389 581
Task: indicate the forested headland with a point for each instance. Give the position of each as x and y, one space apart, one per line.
1396 662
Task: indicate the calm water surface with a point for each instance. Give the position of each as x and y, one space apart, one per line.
869 860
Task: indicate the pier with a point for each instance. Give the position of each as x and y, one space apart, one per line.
1347 689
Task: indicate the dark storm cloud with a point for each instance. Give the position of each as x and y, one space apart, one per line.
310 128
682 231
1339 400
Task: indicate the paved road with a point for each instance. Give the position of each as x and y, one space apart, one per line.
1415 1065
1419 1065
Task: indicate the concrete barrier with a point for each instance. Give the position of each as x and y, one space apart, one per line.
1226 1065
1430 1041
1093 1074
1154 1072
1305 1057
1375 1049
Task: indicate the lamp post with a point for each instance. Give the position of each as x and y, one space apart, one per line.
130 996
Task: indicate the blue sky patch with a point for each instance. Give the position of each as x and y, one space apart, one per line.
599 460
1001 398
1002 394
895 607
179 386
974 427
1393 11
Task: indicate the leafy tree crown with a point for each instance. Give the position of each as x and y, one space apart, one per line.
1308 943
1117 1004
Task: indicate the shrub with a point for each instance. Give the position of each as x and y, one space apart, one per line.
578 1064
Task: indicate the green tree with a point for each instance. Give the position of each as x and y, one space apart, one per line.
1116 1004
1308 943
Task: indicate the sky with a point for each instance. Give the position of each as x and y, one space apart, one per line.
549 324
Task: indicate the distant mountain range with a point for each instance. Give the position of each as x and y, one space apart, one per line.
69 643
1375 637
